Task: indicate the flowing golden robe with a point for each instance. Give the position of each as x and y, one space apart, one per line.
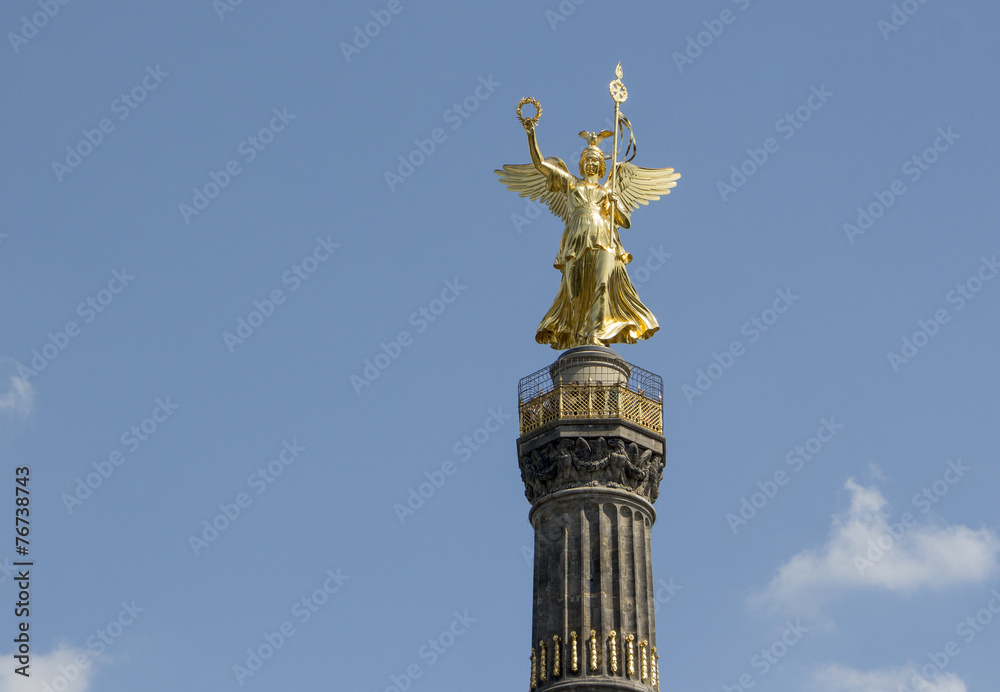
596 302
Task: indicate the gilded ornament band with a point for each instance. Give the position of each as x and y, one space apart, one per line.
543 672
613 648
556 656
574 660
644 660
629 658
593 651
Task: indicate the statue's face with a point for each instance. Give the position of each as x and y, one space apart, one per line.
590 165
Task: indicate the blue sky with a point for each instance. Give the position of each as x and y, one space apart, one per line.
221 221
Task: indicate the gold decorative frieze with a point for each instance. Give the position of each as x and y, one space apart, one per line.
613 652
556 656
543 668
574 661
593 651
644 660
630 656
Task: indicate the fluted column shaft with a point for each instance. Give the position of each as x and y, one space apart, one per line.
593 583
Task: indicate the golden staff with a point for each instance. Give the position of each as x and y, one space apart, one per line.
619 93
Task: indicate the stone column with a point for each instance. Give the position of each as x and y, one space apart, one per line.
591 457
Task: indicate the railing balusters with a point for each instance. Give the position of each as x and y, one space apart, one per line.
640 400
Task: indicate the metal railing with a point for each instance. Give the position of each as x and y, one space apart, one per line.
638 399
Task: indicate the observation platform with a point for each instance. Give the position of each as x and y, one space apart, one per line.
591 383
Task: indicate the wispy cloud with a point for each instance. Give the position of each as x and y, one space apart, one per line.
19 397
837 678
48 672
865 550
875 472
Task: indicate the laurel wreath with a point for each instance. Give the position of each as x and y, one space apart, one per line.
538 110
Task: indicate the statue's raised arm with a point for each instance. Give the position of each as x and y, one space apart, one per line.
541 180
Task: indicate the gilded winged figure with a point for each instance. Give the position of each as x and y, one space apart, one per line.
596 303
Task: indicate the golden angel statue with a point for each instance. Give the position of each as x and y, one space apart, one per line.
596 303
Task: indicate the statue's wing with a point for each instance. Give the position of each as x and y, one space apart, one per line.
528 181
635 185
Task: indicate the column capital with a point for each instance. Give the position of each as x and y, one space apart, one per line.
611 455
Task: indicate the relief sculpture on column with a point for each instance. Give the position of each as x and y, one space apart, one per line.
612 463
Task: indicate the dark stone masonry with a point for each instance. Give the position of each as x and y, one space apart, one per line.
591 472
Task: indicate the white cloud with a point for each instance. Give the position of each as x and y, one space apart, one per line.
874 471
19 398
20 395
48 672
840 679
866 550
